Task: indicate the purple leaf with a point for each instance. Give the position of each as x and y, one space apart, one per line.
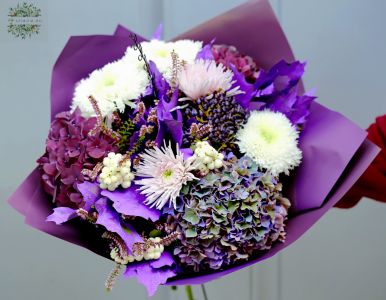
90 192
61 215
266 91
153 278
175 129
131 270
187 152
130 202
161 85
158 33
301 109
255 105
166 259
109 218
296 108
150 277
206 52
281 78
277 89
249 90
169 122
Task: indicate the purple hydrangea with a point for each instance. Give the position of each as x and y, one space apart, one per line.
229 216
69 149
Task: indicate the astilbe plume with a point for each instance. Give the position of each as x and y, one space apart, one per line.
229 55
69 150
228 216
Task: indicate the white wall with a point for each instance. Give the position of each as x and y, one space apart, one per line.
344 42
343 256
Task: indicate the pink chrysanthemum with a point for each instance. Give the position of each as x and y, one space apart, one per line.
204 77
163 175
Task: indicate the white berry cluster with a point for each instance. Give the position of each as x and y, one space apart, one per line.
154 252
118 259
115 173
207 157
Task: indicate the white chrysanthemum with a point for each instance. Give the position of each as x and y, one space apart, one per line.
204 77
113 86
160 52
187 50
271 141
164 173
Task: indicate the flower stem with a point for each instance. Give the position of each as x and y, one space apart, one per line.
189 292
204 291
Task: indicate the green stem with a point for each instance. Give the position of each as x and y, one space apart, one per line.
189 292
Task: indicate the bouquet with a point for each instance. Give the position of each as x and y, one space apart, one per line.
187 160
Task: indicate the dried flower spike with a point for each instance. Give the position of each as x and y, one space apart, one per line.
176 67
140 249
200 131
152 117
111 279
101 126
92 174
117 242
85 215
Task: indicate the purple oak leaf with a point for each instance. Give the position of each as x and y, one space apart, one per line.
166 259
161 85
187 152
152 273
243 99
296 108
169 122
157 35
277 90
110 219
284 76
131 203
90 192
62 215
206 52
153 278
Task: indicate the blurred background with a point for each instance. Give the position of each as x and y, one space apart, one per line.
342 257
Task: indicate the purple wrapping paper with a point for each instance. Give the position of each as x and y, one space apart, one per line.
335 150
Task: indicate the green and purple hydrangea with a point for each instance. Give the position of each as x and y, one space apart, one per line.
228 216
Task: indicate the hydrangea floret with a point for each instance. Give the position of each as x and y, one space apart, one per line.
229 215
